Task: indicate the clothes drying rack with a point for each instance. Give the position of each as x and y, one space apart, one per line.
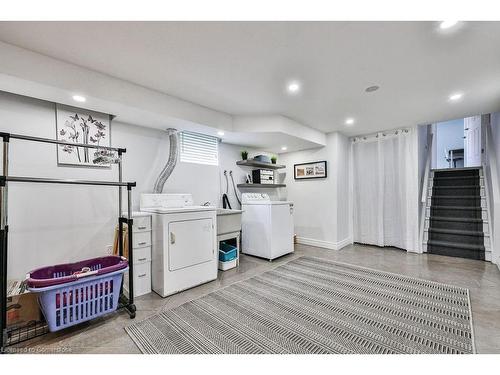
10 336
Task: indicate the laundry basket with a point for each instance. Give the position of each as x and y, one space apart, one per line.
74 293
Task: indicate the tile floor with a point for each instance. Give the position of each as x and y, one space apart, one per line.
106 335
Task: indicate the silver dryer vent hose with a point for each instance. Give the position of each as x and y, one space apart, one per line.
172 161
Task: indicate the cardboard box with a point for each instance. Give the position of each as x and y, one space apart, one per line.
22 306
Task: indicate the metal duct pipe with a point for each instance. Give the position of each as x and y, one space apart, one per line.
172 161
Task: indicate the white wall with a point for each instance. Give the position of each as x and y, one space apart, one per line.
52 224
322 211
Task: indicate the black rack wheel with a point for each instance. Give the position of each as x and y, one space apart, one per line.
131 309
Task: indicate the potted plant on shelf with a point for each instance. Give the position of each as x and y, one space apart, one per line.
274 158
244 155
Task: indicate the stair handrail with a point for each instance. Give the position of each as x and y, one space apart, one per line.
425 188
493 197
492 162
427 171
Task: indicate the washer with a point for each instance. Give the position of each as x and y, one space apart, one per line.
267 226
184 246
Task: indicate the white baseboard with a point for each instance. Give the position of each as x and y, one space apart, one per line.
324 244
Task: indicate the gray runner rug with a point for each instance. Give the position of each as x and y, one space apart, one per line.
313 305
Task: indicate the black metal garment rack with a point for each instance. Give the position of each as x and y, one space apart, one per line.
10 336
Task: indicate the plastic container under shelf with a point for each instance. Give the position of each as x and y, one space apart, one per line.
228 256
224 266
74 293
227 252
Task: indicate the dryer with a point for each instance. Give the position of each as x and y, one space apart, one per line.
266 226
184 246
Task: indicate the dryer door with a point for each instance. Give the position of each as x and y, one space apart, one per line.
190 243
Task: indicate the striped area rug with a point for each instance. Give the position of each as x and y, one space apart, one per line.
312 305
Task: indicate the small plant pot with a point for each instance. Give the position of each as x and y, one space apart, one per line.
273 161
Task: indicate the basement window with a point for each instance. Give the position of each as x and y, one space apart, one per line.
199 148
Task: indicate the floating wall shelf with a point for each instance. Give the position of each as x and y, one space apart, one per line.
259 164
261 185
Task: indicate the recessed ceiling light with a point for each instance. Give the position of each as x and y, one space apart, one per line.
456 96
372 88
283 148
447 24
79 98
349 121
220 133
293 87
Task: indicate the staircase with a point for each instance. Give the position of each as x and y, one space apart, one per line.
456 221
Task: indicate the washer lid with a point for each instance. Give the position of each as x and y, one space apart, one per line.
268 203
172 210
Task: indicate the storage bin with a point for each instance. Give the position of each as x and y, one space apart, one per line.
227 252
224 266
74 293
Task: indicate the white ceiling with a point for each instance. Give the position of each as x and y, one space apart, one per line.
243 67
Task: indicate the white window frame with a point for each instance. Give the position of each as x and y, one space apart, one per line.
198 148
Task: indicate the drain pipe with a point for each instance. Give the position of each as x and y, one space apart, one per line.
172 161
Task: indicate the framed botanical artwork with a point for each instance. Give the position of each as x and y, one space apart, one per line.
81 126
306 171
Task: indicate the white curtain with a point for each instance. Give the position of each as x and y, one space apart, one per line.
385 189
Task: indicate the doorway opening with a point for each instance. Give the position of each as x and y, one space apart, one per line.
457 143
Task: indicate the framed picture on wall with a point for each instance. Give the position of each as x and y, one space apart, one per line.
306 171
77 125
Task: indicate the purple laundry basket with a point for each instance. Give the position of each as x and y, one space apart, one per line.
74 293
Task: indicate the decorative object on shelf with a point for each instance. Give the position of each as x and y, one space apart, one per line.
263 176
248 179
76 125
262 159
244 155
310 170
274 159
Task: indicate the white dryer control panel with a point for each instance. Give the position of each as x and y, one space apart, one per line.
254 197
165 201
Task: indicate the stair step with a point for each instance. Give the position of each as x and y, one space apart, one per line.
457 172
456 187
462 219
456 211
457 196
457 200
457 223
456 249
455 236
474 233
456 245
466 208
475 177
458 190
471 181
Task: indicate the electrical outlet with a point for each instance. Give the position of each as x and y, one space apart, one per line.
109 249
